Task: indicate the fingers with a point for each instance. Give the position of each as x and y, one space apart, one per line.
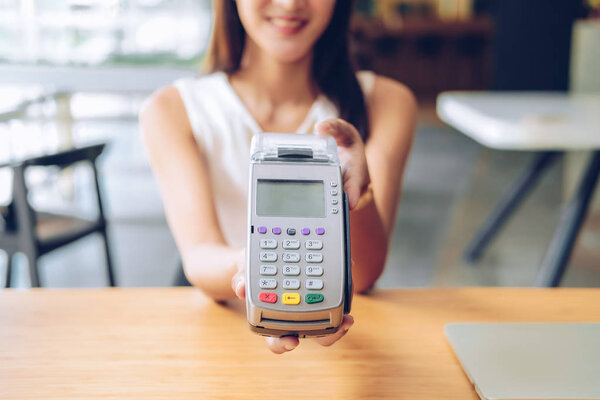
238 281
331 339
343 132
352 157
283 344
352 187
289 343
238 284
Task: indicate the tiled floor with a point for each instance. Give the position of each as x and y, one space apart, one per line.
451 184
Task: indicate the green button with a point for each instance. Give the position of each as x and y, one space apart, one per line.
314 298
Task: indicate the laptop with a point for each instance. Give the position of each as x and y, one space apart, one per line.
529 360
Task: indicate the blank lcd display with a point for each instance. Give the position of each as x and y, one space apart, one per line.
290 198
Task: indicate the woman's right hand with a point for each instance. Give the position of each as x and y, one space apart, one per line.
238 281
286 343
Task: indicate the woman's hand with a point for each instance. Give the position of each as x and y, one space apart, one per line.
351 151
286 343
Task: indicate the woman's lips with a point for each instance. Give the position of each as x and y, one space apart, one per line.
287 25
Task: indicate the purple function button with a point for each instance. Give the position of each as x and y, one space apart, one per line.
305 231
277 230
320 231
262 229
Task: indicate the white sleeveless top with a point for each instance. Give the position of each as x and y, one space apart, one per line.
223 128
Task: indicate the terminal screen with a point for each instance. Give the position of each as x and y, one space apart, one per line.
290 198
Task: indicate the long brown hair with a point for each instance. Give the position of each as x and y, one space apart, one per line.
332 68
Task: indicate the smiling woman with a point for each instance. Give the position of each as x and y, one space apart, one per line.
290 34
275 66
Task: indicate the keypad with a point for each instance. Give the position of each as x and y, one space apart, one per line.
290 257
267 256
292 275
268 270
291 283
268 243
313 245
316 284
314 257
291 244
293 270
270 297
312 298
314 270
268 283
291 298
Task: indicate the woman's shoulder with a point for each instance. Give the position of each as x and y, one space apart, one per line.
391 105
201 83
384 87
390 96
185 95
378 87
165 105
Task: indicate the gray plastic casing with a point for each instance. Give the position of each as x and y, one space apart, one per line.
304 319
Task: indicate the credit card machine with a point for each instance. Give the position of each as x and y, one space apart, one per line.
298 280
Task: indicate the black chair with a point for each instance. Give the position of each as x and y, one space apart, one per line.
23 229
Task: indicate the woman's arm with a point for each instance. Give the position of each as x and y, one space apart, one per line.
392 114
182 175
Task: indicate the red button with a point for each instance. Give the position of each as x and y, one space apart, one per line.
268 297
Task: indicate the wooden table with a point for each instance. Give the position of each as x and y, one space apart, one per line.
176 343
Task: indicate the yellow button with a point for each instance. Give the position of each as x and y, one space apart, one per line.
291 298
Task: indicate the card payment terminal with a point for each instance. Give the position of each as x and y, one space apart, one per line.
298 278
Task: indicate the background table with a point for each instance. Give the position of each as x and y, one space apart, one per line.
176 343
66 79
550 123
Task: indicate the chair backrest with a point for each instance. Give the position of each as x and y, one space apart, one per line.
19 214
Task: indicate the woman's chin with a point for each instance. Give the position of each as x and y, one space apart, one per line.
289 56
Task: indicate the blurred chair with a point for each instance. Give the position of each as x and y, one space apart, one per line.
23 229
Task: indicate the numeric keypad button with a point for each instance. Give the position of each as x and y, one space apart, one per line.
291 244
314 284
293 270
313 245
268 243
291 257
267 256
291 284
268 270
314 270
314 257
267 283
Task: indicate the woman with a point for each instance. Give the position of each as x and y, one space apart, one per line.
276 66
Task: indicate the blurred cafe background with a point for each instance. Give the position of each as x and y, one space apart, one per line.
74 73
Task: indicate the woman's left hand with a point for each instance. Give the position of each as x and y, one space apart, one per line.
351 151
286 343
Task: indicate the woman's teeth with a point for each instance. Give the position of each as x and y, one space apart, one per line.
286 23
